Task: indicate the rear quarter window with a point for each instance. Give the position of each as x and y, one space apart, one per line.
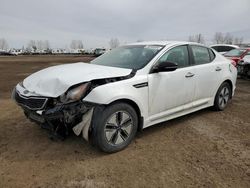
211 54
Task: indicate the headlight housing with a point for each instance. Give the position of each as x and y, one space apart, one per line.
75 94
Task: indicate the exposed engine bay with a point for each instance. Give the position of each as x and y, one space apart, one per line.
61 118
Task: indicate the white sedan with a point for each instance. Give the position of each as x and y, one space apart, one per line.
127 89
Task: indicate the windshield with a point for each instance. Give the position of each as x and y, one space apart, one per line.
131 57
235 53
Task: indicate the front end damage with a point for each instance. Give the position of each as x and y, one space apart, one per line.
60 119
65 113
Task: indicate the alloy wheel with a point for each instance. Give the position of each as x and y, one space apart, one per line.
223 97
118 127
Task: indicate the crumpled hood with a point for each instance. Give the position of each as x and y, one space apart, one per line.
54 81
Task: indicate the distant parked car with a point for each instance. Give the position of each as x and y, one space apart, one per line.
16 51
237 54
99 51
223 48
5 53
127 89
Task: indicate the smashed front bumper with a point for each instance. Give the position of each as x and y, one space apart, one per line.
59 118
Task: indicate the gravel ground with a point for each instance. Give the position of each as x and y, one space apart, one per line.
203 149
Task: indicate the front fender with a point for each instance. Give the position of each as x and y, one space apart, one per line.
108 93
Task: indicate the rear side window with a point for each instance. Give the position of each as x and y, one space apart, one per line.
220 49
224 48
178 55
201 55
216 48
229 48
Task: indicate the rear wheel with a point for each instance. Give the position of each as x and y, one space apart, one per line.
222 97
115 127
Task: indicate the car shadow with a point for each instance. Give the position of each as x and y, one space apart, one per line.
32 143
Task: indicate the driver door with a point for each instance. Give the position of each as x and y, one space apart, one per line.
172 92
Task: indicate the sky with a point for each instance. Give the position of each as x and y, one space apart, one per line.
95 22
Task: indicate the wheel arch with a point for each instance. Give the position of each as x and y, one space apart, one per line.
136 108
230 84
215 103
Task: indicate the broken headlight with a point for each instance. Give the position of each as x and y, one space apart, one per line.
75 94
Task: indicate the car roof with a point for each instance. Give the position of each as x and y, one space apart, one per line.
231 45
242 48
163 43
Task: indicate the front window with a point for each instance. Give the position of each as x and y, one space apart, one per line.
178 55
131 57
235 53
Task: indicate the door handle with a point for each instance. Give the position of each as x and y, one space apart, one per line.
189 74
218 69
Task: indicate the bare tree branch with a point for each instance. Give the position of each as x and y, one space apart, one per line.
3 44
76 44
114 43
229 38
199 38
220 38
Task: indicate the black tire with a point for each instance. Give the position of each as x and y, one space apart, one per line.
109 127
222 97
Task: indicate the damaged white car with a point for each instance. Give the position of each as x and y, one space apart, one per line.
125 90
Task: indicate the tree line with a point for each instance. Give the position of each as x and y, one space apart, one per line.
40 45
218 38
3 44
35 45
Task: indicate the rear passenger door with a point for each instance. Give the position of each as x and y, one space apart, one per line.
207 75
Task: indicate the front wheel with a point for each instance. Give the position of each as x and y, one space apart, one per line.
222 97
115 127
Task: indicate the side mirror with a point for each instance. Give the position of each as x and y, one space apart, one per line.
165 67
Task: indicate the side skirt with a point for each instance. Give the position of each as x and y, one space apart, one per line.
179 113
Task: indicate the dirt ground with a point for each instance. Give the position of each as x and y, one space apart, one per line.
203 149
